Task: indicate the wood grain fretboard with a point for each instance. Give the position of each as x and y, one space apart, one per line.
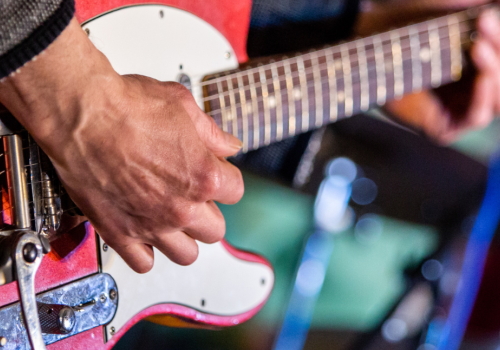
280 99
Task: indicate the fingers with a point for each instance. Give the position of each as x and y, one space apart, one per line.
230 188
221 143
489 28
208 225
178 247
139 256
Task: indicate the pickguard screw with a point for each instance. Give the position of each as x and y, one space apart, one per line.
3 341
29 252
105 247
112 294
161 13
112 330
102 298
87 31
227 55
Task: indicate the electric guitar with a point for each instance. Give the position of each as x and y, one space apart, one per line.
86 295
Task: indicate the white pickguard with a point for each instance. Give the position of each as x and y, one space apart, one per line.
156 41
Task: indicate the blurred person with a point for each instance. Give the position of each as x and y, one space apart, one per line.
139 157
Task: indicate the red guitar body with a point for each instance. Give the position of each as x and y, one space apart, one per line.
76 256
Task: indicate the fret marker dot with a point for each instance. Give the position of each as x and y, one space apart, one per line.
340 96
297 94
425 54
229 115
272 101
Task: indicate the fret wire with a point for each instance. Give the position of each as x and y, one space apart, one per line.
255 110
332 87
310 84
244 114
455 47
397 64
353 56
265 101
348 89
222 100
318 91
415 60
233 113
304 94
357 89
291 100
435 43
464 17
279 108
363 73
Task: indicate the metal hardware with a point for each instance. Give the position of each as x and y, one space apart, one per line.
105 247
227 55
36 184
45 244
30 252
67 320
113 294
27 257
51 204
81 297
56 319
102 298
185 80
112 331
16 180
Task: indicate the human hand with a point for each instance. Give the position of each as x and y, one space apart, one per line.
138 156
471 103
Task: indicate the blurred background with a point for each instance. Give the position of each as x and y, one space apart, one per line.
389 256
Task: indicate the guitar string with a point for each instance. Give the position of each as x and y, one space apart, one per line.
355 86
370 55
355 75
331 49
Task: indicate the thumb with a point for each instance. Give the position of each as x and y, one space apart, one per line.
221 143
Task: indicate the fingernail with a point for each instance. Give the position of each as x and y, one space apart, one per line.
233 141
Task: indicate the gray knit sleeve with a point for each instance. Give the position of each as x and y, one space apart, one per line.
27 27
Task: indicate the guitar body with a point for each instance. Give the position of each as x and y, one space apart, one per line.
168 41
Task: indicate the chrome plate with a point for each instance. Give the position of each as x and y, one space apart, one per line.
93 291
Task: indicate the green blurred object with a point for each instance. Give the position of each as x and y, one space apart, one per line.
362 280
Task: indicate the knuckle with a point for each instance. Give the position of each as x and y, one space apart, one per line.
182 217
209 182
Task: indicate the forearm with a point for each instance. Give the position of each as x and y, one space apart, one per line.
46 95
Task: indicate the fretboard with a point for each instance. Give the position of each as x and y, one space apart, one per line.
280 99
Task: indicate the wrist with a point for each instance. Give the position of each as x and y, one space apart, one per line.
50 93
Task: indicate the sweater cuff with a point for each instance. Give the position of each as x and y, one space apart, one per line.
37 41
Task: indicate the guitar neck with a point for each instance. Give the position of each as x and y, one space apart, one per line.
280 99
